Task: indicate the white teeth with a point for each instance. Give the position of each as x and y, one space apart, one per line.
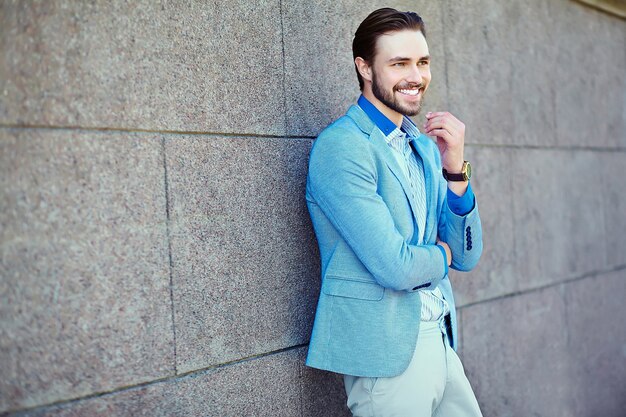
410 92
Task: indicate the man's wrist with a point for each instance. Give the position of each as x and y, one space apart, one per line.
455 168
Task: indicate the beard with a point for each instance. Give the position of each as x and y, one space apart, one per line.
389 98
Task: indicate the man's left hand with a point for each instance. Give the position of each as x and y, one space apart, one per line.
450 134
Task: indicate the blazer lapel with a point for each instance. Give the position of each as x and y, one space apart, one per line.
431 180
378 140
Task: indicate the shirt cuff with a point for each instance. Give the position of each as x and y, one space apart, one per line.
445 260
463 204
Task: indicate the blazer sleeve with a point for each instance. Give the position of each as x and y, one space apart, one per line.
342 181
463 234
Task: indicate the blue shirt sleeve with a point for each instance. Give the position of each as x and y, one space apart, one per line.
443 252
463 204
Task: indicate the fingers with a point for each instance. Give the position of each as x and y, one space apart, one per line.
436 120
446 116
432 114
441 127
440 133
443 120
439 123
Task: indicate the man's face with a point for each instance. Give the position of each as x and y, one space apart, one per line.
401 71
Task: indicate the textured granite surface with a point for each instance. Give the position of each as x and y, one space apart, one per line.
527 73
84 294
268 386
168 65
479 38
320 79
245 261
323 394
597 344
495 274
613 167
514 355
552 352
558 215
548 216
590 102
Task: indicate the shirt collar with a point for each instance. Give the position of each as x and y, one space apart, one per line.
380 120
384 124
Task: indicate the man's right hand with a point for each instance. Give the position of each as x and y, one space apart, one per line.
447 249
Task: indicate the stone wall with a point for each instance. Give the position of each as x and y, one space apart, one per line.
156 254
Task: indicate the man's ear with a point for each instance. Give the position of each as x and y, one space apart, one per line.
364 68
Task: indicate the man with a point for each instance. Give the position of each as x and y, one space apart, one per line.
392 209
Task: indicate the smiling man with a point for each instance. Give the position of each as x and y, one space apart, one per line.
392 210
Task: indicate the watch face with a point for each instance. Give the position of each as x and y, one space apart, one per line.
468 170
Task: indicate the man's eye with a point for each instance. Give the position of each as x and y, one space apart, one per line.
398 64
423 63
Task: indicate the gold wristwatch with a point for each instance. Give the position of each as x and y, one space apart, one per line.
465 175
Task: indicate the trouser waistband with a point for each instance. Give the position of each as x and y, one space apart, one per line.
435 326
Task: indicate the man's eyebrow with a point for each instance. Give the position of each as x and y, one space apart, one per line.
399 58
403 58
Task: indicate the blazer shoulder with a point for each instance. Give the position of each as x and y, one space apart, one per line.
345 126
341 136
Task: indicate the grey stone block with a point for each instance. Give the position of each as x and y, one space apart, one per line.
246 265
268 386
549 352
597 343
183 66
479 73
589 98
513 352
558 215
84 295
495 274
323 394
614 167
527 73
320 80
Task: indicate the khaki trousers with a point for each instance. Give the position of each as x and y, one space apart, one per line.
434 384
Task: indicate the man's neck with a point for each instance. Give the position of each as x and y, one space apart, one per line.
392 115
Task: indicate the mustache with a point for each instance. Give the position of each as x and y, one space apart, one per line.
408 86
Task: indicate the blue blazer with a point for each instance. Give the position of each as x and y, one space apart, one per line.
368 313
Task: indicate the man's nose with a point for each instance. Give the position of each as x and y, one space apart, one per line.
415 75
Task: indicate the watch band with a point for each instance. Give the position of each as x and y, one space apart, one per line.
464 175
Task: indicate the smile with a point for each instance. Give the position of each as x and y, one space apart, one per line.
410 92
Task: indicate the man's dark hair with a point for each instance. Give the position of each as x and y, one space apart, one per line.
379 22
